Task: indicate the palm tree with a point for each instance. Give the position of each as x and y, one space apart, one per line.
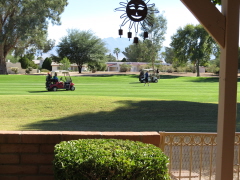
116 51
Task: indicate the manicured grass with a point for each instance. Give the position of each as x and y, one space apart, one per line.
110 103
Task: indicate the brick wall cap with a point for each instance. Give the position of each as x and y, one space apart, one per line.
81 133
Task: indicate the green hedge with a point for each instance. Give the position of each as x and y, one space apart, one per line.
109 159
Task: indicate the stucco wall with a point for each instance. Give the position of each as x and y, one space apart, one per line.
18 65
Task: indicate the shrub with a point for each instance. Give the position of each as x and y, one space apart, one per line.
24 62
28 70
65 64
97 66
14 69
101 67
125 67
163 68
192 68
181 69
44 70
170 69
47 64
213 69
33 65
94 159
124 60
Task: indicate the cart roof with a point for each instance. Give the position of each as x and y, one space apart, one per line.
148 69
60 71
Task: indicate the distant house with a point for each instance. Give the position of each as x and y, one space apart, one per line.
39 62
135 66
202 69
73 67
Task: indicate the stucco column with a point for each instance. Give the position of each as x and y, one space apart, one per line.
228 92
224 27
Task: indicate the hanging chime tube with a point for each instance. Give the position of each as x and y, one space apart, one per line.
129 35
135 40
120 32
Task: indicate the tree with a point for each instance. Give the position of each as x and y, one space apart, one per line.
124 60
65 64
144 51
24 62
30 56
125 67
116 51
32 65
110 58
214 66
147 50
133 53
47 64
168 55
12 58
219 2
39 58
81 47
97 66
193 43
24 24
157 33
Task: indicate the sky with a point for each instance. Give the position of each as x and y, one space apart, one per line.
100 17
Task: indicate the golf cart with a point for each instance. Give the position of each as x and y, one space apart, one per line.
152 76
64 83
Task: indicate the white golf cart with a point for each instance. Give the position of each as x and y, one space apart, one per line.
152 76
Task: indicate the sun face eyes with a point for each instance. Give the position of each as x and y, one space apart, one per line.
137 7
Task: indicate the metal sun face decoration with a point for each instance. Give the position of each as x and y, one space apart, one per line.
136 12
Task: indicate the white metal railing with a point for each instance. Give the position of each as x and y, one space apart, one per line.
193 155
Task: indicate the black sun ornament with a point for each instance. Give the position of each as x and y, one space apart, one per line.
136 12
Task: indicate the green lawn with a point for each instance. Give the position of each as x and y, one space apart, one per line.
110 103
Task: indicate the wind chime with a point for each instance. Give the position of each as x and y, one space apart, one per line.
136 12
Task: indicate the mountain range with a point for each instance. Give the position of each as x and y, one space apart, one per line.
121 43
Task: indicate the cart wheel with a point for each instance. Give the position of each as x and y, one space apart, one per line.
72 88
54 88
48 89
156 80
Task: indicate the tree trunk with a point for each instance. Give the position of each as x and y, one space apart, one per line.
80 69
153 62
3 66
197 67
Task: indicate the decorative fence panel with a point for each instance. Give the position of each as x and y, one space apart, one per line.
193 155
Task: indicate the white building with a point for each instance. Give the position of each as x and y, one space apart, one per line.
39 62
73 67
135 66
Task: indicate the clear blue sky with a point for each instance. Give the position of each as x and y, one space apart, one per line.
100 17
